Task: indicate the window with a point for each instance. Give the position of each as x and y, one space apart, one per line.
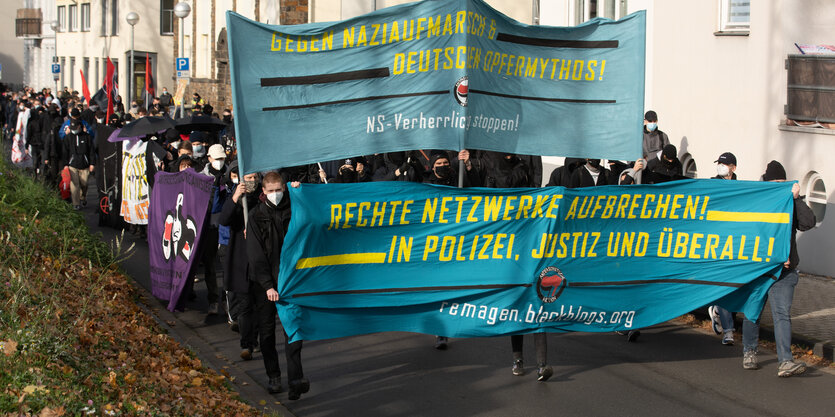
104 18
114 17
166 17
72 73
585 10
815 191
85 17
62 18
73 17
735 15
811 89
689 164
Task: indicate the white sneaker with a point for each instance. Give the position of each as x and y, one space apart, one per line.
749 360
791 367
728 339
714 319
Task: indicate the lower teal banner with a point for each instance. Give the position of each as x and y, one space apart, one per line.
397 256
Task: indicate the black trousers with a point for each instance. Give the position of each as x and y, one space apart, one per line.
242 309
266 312
208 257
540 341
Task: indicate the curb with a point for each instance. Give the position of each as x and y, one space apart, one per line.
249 390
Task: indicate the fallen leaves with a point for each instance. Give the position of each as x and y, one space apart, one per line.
8 347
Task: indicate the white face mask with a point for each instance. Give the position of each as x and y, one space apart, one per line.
74 132
217 164
722 170
100 121
235 181
275 198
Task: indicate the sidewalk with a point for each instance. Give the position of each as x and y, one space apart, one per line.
813 315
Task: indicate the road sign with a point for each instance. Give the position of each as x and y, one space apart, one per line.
183 68
56 68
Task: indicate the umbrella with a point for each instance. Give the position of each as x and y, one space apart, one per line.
117 137
145 126
201 123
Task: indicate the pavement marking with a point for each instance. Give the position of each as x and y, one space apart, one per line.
816 314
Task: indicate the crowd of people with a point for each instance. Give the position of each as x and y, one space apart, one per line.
65 135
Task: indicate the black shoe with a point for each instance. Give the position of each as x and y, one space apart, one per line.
518 367
234 326
632 335
274 386
246 354
441 342
297 388
544 372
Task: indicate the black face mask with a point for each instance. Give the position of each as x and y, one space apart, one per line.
348 175
666 162
397 158
227 118
443 171
595 163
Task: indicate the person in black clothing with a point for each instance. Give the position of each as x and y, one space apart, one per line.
52 145
35 129
397 166
353 170
561 176
307 174
79 154
442 172
666 168
236 264
589 175
268 222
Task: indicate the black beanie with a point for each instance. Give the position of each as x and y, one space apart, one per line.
774 171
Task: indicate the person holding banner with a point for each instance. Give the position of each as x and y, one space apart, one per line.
265 231
235 263
216 169
721 319
781 293
589 175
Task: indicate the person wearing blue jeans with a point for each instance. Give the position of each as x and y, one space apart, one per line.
725 167
781 292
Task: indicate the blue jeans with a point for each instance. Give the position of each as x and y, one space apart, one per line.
726 318
780 297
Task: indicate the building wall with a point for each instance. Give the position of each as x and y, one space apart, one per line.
11 48
98 47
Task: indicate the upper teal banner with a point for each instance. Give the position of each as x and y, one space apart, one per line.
445 74
363 258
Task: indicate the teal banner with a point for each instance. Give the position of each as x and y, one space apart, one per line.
399 256
445 74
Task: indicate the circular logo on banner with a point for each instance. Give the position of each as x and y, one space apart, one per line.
550 284
460 91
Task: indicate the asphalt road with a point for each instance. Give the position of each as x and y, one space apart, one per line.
671 371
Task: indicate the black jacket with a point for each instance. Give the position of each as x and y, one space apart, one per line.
803 219
264 237
665 171
582 178
53 146
236 261
561 176
79 150
499 172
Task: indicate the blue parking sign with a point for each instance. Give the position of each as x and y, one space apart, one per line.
182 64
56 68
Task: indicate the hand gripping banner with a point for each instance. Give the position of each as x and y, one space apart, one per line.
445 74
178 208
398 256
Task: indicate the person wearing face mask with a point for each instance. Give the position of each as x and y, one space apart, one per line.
75 114
240 302
352 170
165 99
79 156
268 222
654 138
721 319
591 174
216 168
397 166
781 293
36 126
666 168
52 144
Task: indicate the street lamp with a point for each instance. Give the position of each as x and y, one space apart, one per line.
132 19
55 26
182 10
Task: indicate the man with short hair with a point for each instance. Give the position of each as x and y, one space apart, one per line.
268 222
781 293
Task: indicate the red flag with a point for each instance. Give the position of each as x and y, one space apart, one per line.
84 89
109 82
149 83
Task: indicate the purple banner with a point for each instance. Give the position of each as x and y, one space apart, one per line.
178 208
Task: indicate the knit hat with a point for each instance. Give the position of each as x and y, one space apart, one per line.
774 171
